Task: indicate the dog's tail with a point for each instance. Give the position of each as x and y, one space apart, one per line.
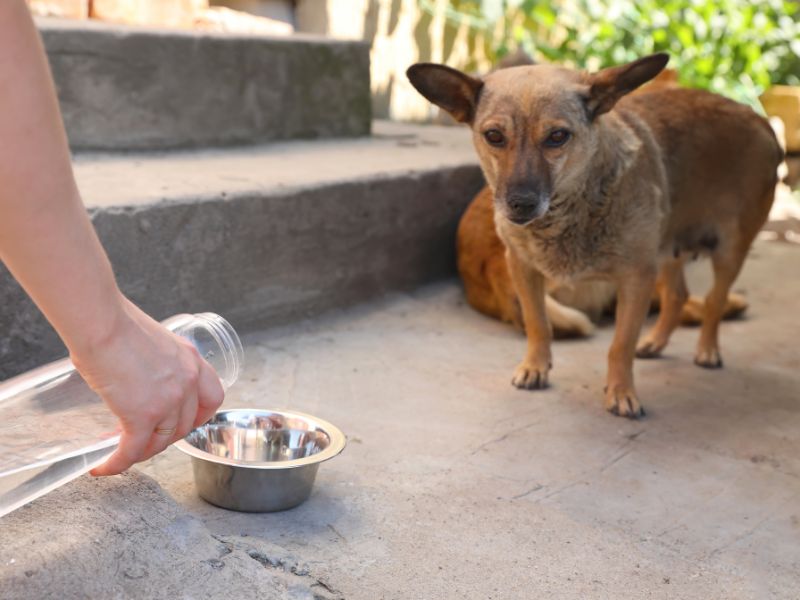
694 309
567 322
778 130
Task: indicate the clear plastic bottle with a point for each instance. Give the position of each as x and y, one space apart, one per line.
54 428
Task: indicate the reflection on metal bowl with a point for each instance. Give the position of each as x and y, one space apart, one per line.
259 460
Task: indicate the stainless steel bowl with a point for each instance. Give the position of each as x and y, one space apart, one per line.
259 460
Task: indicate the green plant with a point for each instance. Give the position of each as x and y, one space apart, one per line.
734 47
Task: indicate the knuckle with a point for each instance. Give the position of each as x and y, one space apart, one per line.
192 357
213 399
192 376
172 392
218 397
193 352
152 412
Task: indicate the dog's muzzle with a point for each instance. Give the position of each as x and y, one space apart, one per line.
521 209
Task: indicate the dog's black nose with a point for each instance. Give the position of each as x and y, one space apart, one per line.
525 207
522 202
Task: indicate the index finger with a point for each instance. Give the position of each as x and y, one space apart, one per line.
210 394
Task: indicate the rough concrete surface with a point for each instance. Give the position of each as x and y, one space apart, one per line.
455 485
132 541
124 88
269 234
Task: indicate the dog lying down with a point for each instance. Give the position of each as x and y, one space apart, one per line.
590 183
572 308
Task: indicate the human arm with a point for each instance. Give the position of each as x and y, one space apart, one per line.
149 377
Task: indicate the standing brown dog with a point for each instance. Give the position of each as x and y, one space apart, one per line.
590 184
571 309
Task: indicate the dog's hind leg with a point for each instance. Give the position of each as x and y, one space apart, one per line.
726 261
672 292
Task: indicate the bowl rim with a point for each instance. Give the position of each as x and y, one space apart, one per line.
337 444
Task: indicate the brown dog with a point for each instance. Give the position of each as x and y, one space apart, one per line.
590 184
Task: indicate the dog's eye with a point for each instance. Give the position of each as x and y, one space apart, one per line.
557 138
494 137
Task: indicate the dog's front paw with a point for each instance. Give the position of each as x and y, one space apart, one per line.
530 375
622 401
708 358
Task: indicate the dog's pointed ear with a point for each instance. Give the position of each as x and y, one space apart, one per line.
606 87
452 90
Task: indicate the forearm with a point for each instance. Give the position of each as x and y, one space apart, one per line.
46 238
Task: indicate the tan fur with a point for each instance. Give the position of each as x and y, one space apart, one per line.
636 185
571 308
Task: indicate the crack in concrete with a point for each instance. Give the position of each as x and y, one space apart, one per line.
743 536
334 530
281 565
226 547
535 488
559 490
583 478
792 501
686 517
290 566
623 450
502 437
616 459
515 417
586 476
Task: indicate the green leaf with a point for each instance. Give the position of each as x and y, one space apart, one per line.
544 15
733 46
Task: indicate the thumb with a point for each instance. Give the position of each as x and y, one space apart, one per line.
131 447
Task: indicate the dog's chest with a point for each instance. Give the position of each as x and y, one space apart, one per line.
593 236
572 253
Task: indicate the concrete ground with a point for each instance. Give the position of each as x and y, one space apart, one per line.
456 485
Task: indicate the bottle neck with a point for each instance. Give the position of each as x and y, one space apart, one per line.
216 341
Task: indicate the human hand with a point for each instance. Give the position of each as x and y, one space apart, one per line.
150 378
153 380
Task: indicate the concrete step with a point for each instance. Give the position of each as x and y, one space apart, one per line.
140 89
267 234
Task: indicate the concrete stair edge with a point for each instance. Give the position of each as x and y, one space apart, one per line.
263 256
128 88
